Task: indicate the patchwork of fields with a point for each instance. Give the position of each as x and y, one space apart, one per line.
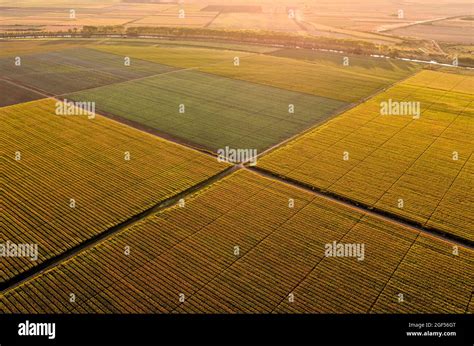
68 178
382 68
326 77
56 73
426 163
220 112
211 111
237 246
132 222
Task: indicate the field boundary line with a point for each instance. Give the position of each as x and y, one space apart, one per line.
317 263
367 209
132 220
393 273
212 20
251 249
29 88
123 121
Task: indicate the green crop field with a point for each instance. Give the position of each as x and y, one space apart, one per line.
164 43
218 111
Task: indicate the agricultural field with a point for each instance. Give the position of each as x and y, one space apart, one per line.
174 20
152 43
384 68
419 168
56 73
372 20
68 178
15 48
209 111
379 15
239 246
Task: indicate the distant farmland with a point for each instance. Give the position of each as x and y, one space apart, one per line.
427 163
237 246
68 179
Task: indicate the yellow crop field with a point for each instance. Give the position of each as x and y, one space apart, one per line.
419 272
250 244
70 177
417 167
